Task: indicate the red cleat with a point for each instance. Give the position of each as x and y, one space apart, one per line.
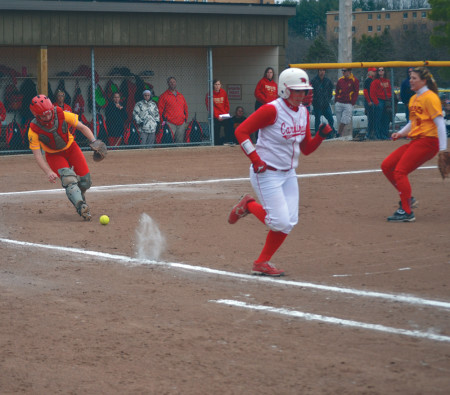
266 269
240 210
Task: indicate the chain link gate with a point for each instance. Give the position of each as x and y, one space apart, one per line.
85 81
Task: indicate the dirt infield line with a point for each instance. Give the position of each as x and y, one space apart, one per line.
126 187
334 320
407 299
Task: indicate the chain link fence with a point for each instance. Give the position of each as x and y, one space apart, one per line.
85 80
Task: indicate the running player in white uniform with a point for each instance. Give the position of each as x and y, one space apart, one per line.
283 126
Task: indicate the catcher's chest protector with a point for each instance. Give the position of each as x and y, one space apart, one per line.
55 137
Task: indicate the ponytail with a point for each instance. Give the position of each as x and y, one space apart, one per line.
425 74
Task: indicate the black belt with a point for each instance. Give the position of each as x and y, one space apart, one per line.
273 168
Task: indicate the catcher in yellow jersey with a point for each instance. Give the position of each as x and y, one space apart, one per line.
63 157
426 129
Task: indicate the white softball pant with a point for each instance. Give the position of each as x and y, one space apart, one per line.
278 193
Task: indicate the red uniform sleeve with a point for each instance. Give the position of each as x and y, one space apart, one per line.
309 144
264 116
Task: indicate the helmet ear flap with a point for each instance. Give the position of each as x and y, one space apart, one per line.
287 93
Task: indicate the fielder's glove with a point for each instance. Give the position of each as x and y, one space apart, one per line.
100 150
444 163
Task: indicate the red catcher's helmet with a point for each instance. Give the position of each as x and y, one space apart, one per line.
42 108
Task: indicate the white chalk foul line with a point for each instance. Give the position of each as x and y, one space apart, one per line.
408 299
336 321
125 187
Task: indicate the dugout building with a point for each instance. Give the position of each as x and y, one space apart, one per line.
50 45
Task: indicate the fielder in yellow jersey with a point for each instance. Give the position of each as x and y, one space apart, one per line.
424 109
49 130
426 129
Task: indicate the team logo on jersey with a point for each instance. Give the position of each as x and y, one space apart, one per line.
289 132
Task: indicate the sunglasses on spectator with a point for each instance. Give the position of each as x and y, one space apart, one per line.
380 69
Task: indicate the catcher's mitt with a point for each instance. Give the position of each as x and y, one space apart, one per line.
99 148
444 163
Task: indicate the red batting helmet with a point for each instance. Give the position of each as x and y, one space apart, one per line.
42 108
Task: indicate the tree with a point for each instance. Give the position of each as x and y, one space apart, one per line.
440 11
311 19
320 52
377 48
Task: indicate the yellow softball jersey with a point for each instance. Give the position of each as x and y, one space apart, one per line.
422 110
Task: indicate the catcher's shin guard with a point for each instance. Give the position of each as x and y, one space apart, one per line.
69 181
84 184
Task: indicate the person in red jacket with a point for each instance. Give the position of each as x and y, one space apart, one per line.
222 117
2 112
173 109
267 89
380 93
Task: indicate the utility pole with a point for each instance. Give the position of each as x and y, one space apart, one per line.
345 31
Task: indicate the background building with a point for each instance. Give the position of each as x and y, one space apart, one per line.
375 22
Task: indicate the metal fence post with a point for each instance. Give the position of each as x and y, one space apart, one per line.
210 90
94 110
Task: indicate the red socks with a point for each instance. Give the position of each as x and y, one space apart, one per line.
273 242
257 210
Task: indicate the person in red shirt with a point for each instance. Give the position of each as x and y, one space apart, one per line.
60 97
173 109
380 93
2 112
222 116
267 89
347 90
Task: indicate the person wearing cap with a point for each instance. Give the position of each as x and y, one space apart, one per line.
406 92
146 116
368 104
347 91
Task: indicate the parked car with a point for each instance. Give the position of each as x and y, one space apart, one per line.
359 120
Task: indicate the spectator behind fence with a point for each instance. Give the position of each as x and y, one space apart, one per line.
238 117
60 101
60 97
174 110
368 104
116 115
2 112
323 92
347 90
146 116
222 117
380 93
267 89
406 92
